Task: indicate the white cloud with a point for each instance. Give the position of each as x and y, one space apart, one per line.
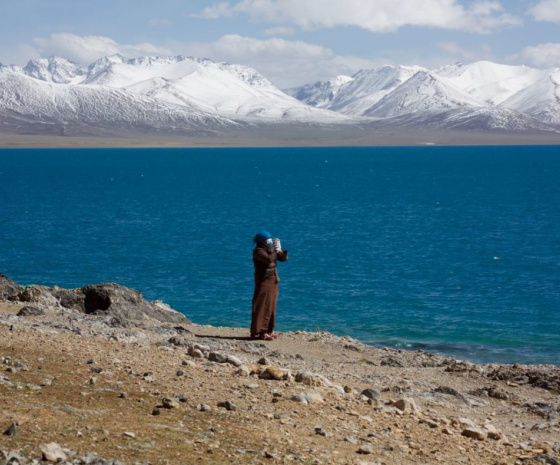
286 63
374 15
90 48
546 10
539 56
279 31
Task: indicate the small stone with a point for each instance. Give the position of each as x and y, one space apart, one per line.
264 361
232 360
182 398
156 411
312 379
31 311
407 404
203 407
351 440
272 372
365 449
476 433
180 373
52 452
170 403
321 432
123 395
11 431
227 405
129 434
196 353
217 357
371 393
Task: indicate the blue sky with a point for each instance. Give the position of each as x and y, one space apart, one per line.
292 42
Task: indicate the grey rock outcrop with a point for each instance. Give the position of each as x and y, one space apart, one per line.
8 288
108 299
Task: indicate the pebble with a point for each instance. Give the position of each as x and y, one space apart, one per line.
203 407
11 431
365 449
169 403
476 433
129 434
227 405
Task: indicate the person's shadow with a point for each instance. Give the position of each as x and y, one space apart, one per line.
232 338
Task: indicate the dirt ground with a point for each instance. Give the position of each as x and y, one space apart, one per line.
144 394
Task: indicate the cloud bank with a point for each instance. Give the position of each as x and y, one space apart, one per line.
546 10
374 15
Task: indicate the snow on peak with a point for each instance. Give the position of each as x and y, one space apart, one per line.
54 69
491 82
425 92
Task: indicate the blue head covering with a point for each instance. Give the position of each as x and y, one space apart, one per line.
261 237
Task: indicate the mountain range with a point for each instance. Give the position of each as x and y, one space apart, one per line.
199 97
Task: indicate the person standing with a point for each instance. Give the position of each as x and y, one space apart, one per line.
265 255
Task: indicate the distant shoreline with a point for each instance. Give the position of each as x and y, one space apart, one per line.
405 139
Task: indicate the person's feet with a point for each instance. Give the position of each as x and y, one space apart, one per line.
265 336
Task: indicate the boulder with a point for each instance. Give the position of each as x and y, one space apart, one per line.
312 379
31 311
8 288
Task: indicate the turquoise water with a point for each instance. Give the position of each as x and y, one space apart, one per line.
452 250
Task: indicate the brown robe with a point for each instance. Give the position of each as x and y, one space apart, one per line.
263 316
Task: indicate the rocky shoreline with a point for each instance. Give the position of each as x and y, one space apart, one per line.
99 375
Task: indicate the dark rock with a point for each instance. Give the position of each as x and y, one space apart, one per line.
217 357
180 373
227 405
11 431
371 393
450 392
30 311
392 362
8 288
182 398
156 411
125 303
543 458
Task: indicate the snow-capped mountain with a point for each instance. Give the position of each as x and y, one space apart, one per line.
540 100
198 96
481 95
173 93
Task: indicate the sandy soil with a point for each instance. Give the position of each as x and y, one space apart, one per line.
93 386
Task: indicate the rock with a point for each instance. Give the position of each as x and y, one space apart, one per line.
365 449
371 393
126 303
463 422
203 407
232 360
263 361
196 353
321 432
242 371
129 434
275 373
11 431
227 405
308 398
407 405
156 411
312 379
493 432
52 452
476 433
180 373
217 357
170 403
31 311
182 398
8 288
